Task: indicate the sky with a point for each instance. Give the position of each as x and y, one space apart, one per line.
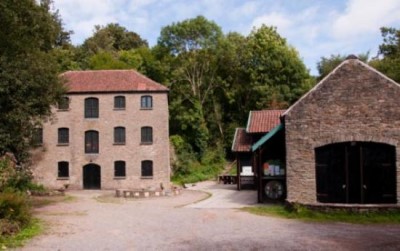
316 28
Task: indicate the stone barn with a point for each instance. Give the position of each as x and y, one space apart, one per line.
343 139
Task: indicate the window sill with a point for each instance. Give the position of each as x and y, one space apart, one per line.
63 110
62 178
146 143
119 109
119 144
144 108
63 144
146 177
119 178
92 118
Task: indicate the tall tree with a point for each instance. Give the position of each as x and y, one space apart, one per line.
277 75
388 60
29 81
260 71
189 46
112 37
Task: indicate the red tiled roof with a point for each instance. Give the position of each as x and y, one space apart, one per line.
242 141
263 121
109 81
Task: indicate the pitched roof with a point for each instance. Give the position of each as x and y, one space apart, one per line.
263 121
109 81
242 141
350 60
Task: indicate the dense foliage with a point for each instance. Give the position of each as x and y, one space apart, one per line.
28 77
388 59
29 85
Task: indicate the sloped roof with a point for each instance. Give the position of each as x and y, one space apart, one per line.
242 141
110 81
350 60
263 121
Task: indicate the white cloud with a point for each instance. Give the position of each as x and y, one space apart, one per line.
280 20
363 17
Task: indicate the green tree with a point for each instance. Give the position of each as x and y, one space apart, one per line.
189 47
190 35
388 60
277 75
29 81
112 37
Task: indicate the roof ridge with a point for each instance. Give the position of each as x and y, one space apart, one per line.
110 80
347 61
317 85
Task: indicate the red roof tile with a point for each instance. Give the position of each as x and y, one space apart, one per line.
242 141
263 121
109 81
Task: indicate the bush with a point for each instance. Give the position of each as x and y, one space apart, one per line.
14 209
187 168
8 227
13 177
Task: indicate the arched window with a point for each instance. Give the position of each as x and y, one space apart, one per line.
91 142
63 169
119 168
119 102
91 108
147 135
63 135
147 168
146 102
119 135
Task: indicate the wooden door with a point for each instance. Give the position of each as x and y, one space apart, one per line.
356 172
91 176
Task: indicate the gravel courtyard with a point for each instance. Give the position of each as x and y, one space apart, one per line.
94 220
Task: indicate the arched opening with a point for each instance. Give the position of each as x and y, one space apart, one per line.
91 176
356 172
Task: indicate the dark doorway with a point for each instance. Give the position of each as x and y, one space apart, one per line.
91 176
356 172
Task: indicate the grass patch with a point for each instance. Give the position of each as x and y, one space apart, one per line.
32 229
42 201
304 214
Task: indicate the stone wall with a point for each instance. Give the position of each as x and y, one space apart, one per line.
354 103
46 158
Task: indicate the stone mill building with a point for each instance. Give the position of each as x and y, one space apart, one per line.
110 131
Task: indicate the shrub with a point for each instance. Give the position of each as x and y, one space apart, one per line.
14 208
187 168
8 227
13 177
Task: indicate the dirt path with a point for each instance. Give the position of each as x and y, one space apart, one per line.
96 222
